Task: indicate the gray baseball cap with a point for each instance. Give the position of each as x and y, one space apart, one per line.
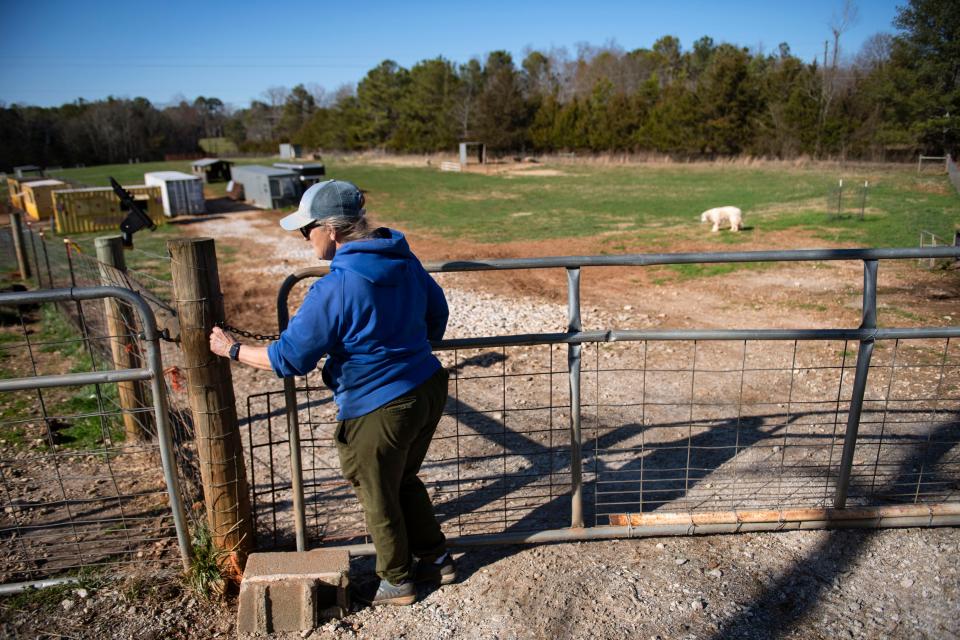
328 199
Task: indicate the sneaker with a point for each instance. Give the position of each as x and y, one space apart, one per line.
440 571
396 594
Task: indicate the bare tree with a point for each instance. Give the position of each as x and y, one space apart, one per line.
276 97
839 24
875 52
321 96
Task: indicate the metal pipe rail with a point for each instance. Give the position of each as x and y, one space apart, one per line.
866 334
153 372
650 525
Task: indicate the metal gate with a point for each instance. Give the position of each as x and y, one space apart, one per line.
618 433
107 501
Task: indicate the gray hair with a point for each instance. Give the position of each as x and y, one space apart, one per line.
349 228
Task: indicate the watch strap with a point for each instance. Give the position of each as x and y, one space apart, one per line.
235 351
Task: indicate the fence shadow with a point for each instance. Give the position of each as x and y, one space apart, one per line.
776 611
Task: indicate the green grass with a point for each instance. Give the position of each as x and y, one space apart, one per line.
688 271
13 407
205 575
897 313
149 252
80 427
588 201
637 203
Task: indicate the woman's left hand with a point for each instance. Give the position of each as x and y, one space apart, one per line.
221 341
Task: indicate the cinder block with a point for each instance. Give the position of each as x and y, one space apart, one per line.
293 591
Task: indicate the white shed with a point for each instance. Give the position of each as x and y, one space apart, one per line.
181 192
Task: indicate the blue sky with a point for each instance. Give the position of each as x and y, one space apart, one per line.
53 52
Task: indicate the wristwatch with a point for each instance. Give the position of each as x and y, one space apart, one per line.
235 351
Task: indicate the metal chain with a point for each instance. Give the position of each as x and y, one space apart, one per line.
246 334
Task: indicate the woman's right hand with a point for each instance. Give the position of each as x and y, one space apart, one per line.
221 341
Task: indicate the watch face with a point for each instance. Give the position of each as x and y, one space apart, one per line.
235 351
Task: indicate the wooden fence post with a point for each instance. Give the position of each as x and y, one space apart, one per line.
196 285
16 230
121 324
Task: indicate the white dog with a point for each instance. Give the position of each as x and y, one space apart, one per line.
732 215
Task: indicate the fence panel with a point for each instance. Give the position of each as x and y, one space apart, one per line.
98 208
77 492
101 465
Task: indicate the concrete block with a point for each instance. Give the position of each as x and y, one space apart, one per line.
293 591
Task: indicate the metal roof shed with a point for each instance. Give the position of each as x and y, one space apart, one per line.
27 170
211 169
268 187
310 172
181 192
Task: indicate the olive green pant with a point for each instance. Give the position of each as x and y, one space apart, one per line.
380 454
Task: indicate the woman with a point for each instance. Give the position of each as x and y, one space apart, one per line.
372 316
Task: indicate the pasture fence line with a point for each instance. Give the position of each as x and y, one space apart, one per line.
101 438
936 159
856 199
953 173
647 432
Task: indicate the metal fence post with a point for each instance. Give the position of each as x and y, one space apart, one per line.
199 302
123 347
859 382
36 259
863 199
293 426
46 260
574 324
16 230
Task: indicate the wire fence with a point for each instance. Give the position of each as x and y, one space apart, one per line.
81 481
845 201
953 173
681 426
685 423
540 430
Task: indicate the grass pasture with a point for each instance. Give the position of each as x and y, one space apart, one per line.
632 205
647 203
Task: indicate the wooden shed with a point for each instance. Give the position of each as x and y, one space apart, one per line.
38 197
15 189
211 169
98 208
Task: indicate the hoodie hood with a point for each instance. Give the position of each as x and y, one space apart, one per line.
382 260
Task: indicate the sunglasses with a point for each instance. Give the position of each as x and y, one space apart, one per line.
307 229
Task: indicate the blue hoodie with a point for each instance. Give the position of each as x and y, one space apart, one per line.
372 316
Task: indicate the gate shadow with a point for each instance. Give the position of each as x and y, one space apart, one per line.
775 612
696 458
659 461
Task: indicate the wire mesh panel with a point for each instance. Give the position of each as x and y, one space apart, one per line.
908 449
668 426
714 425
499 460
81 482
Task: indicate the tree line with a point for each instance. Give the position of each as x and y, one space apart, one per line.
898 96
